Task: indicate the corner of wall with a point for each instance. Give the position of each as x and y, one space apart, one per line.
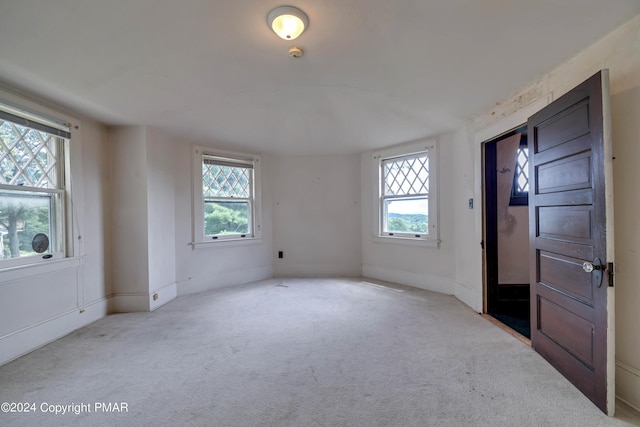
628 384
468 296
223 279
131 302
143 301
427 282
162 296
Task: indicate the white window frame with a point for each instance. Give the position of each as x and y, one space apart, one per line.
60 209
200 240
431 239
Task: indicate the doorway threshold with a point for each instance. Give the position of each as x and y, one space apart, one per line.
507 329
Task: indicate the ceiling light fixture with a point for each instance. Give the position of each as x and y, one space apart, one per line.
287 22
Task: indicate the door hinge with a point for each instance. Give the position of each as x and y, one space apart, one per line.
482 244
610 273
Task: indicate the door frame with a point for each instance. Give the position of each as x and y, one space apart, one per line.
490 235
500 128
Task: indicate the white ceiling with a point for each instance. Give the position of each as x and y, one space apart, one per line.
374 73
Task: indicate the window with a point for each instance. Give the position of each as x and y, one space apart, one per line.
520 187
407 194
32 187
227 203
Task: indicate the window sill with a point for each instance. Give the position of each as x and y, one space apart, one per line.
406 241
225 243
10 274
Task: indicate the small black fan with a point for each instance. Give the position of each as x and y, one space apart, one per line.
40 243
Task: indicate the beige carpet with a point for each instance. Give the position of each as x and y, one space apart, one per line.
296 352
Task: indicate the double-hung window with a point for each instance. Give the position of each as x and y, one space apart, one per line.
32 187
226 187
407 193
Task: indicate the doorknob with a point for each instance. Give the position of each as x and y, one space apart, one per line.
597 267
588 267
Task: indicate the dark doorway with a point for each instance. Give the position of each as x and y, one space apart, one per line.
507 230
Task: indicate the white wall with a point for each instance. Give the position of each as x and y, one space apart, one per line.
42 303
161 216
466 238
513 221
152 226
222 264
129 212
619 53
316 215
423 267
94 223
625 109
143 218
513 246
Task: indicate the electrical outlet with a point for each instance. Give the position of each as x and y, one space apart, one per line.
470 203
280 254
155 297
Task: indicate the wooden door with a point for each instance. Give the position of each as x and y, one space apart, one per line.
571 227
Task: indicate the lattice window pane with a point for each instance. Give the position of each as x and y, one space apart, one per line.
522 170
406 176
28 157
226 181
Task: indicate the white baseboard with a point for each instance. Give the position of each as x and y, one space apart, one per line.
222 280
131 302
165 294
422 281
628 384
302 270
141 301
468 296
25 340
